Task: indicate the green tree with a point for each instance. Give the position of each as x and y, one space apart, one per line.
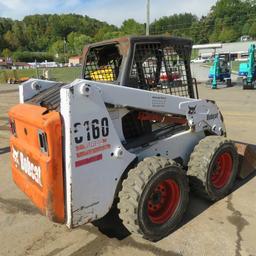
252 30
132 27
57 47
177 24
6 53
80 41
11 40
77 41
114 34
101 33
228 35
246 29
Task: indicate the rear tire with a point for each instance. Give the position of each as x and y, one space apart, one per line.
154 198
213 167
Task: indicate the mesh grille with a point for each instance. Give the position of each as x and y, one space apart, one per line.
103 63
49 98
162 68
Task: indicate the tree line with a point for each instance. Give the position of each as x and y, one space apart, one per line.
55 36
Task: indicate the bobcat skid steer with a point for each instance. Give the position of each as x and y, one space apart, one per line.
132 130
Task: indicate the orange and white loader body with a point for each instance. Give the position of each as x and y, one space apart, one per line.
70 159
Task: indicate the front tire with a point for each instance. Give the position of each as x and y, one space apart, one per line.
213 167
154 198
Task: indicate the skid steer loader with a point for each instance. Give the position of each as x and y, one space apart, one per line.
122 133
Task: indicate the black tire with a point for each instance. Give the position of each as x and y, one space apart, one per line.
246 85
213 167
145 208
229 83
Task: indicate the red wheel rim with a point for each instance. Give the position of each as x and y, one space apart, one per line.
163 201
222 170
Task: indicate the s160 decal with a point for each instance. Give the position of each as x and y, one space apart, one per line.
91 130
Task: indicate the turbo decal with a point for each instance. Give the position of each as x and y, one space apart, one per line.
23 163
88 160
93 151
91 144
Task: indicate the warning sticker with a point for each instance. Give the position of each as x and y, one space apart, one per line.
158 101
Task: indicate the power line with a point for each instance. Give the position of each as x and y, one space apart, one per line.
190 26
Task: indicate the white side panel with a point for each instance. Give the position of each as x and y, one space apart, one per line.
94 156
32 87
178 146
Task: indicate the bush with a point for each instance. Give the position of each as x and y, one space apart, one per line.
32 56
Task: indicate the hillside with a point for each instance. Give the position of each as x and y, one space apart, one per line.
58 35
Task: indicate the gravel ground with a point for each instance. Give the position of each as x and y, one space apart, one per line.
227 227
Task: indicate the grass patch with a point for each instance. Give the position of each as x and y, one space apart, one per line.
65 74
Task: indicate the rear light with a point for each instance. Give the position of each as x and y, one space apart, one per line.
42 138
12 127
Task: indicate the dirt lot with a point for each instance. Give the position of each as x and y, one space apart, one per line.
224 228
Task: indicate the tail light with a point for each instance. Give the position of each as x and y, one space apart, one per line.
42 138
12 127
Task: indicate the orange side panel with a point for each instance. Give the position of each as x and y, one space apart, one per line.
38 174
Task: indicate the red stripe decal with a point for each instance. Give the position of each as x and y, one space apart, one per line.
81 147
88 160
93 151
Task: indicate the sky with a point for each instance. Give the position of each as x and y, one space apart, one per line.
112 11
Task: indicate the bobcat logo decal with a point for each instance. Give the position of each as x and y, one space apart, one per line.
192 110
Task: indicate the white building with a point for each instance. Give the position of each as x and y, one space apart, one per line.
238 50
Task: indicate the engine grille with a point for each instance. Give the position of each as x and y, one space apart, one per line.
49 98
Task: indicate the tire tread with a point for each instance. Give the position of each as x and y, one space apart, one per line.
133 187
200 161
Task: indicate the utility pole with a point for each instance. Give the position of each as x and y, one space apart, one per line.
148 17
64 50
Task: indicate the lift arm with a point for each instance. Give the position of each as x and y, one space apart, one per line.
200 114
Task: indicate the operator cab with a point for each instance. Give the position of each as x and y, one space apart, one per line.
154 63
